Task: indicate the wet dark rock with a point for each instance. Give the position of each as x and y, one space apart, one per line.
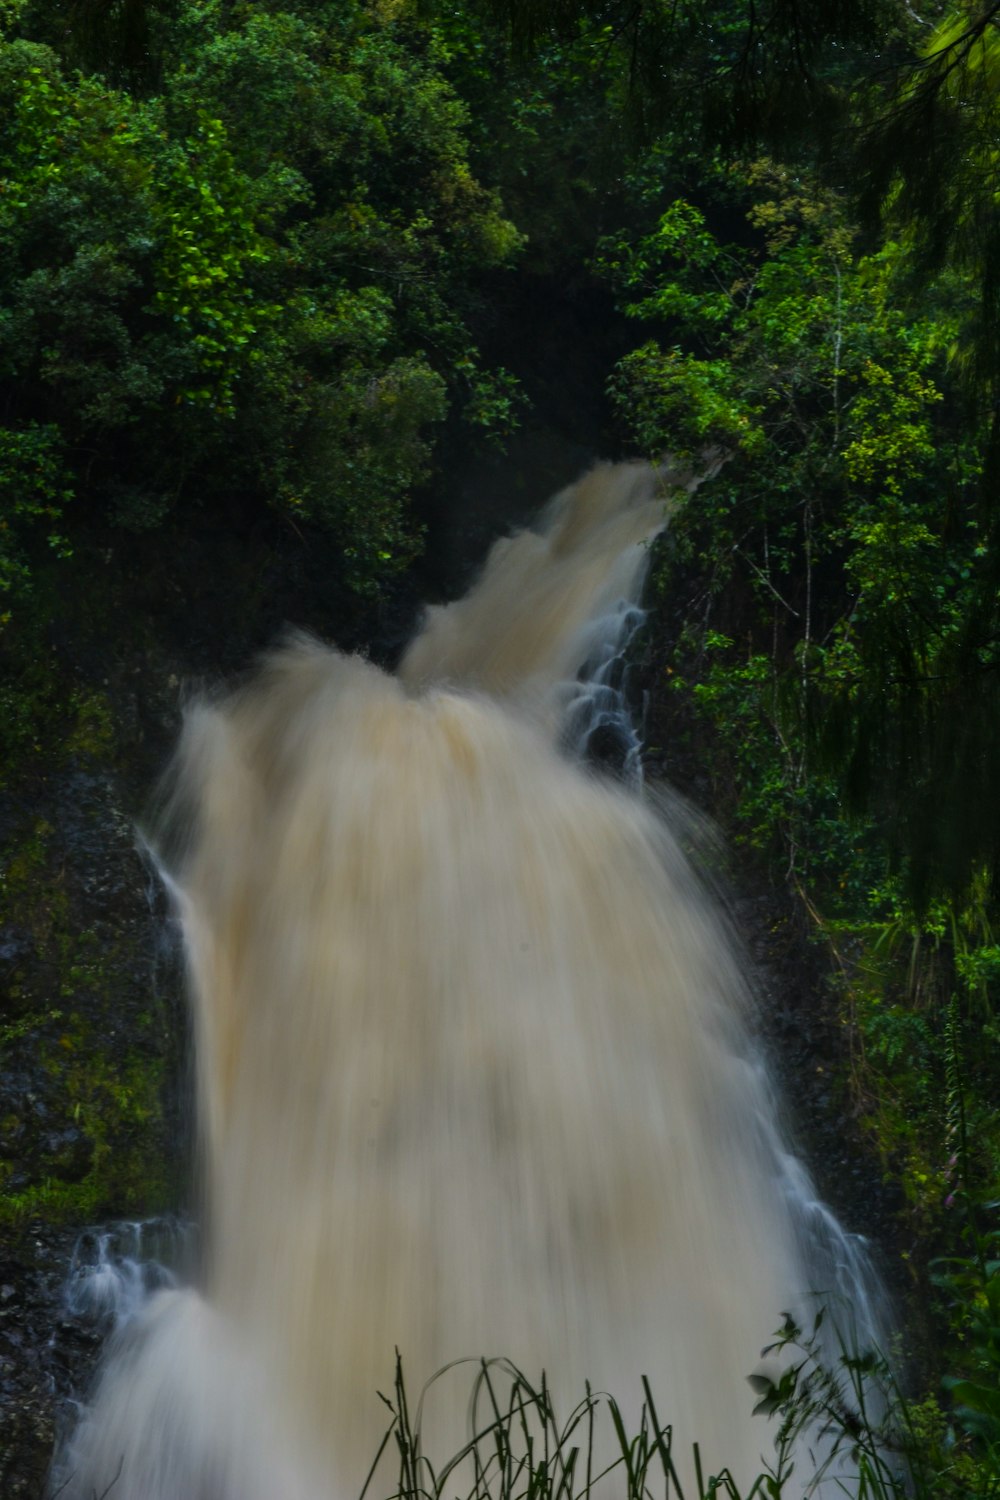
90 1057
609 746
15 945
796 1017
42 1359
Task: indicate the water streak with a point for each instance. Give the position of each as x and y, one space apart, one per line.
473 1077
115 1268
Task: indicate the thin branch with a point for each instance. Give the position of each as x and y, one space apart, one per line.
766 581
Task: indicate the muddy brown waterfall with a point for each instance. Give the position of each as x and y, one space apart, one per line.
471 1071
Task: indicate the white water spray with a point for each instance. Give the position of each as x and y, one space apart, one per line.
115 1269
472 1072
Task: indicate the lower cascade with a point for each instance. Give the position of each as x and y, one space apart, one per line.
472 1067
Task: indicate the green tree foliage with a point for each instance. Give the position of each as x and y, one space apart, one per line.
729 71
33 480
259 283
851 509
929 167
120 40
925 165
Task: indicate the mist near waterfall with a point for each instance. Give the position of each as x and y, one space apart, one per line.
472 1068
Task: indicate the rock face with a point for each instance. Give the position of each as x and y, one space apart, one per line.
90 1056
44 1355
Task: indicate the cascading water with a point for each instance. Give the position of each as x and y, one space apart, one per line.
472 1072
114 1270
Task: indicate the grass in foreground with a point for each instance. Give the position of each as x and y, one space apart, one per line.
842 1429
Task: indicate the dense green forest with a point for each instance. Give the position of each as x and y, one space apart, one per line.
262 268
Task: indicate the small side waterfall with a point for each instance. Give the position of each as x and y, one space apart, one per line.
473 1074
116 1269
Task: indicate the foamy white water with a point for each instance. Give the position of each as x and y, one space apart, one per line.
472 1071
116 1268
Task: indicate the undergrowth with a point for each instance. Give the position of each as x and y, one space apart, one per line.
842 1427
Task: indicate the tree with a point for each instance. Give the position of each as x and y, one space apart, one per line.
849 513
258 284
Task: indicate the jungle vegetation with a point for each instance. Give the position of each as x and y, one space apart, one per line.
251 260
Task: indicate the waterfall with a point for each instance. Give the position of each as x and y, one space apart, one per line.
473 1073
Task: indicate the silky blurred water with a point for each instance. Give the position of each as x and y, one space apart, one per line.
473 1076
